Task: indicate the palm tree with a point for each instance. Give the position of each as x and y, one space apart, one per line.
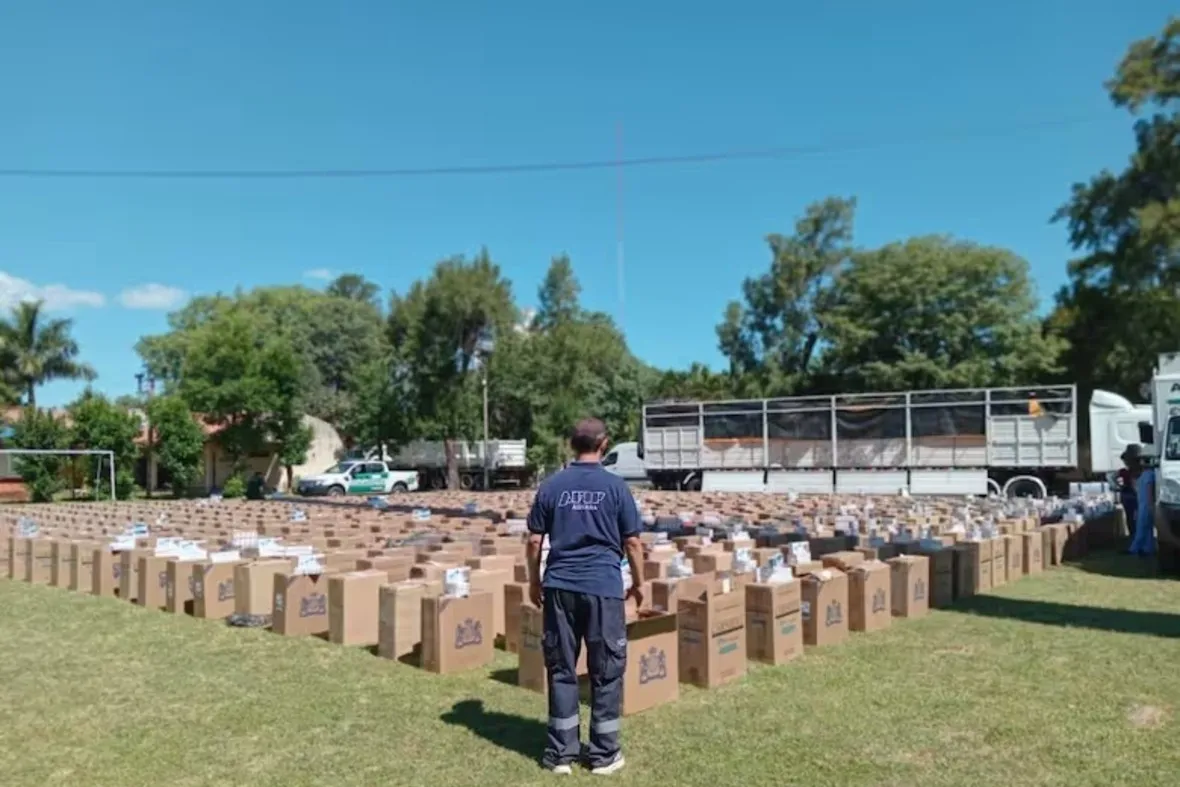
35 350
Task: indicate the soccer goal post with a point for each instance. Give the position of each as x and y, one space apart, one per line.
110 456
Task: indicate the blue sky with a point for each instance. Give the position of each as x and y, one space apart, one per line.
274 85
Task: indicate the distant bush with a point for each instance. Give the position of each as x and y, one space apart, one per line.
235 486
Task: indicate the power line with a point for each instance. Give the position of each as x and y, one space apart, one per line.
779 152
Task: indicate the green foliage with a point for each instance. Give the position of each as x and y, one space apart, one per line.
39 429
99 425
234 487
34 350
179 444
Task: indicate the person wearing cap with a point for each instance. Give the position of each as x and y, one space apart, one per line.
1132 457
589 516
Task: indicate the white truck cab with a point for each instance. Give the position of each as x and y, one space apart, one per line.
1161 444
625 461
358 477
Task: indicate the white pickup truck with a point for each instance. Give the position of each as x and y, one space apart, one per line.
358 477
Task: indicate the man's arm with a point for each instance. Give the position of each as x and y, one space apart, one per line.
629 530
539 521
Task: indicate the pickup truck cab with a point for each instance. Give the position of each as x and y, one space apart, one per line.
358 477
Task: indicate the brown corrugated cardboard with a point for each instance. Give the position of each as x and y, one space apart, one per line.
178 585
973 567
254 585
400 617
152 577
39 561
82 567
1015 549
300 604
774 622
910 585
455 633
533 674
353 603
492 581
213 587
59 563
825 605
869 591
107 569
653 668
712 621
1033 552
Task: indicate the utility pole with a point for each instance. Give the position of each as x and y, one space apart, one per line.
486 445
149 476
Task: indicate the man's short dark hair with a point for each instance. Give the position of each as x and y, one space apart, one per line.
588 436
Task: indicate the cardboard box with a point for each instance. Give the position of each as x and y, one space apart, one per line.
910 585
214 586
973 567
254 585
653 667
17 549
178 585
712 623
107 569
129 572
516 595
869 591
39 561
1015 549
82 567
456 632
999 561
774 622
492 581
1054 538
942 576
533 673
353 604
59 564
824 606
399 613
300 604
1033 552
152 577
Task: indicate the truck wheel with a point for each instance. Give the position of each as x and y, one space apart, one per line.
438 481
467 482
400 488
693 484
336 491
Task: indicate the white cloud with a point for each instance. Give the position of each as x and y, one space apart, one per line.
56 297
322 274
152 296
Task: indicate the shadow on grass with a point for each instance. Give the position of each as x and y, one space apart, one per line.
1118 564
1051 613
513 733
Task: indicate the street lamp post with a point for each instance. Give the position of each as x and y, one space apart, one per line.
483 350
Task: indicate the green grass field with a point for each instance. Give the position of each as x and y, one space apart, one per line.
1070 679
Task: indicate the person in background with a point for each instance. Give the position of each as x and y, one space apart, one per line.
256 487
590 519
1143 544
1132 457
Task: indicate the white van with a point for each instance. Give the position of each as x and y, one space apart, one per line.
625 462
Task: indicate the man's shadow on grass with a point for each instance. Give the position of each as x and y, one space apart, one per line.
514 733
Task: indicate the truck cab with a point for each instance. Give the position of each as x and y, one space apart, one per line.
625 461
1161 441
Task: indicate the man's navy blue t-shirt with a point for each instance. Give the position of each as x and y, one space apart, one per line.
587 512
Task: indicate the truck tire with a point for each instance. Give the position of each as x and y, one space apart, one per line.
467 482
336 491
693 484
400 488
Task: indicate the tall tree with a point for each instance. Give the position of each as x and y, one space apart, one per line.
557 297
440 327
354 287
99 425
1119 310
42 474
179 441
935 313
35 350
772 337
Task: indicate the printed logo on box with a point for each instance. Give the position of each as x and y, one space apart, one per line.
225 590
787 629
920 590
192 586
653 665
879 604
468 633
311 606
163 579
834 615
726 645
117 571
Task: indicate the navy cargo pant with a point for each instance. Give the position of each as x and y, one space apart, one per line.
570 619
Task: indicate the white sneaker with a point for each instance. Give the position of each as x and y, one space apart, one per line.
613 766
560 770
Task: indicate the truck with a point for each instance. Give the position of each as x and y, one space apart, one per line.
974 441
1160 438
506 461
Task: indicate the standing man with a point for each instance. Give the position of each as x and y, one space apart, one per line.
591 520
1128 478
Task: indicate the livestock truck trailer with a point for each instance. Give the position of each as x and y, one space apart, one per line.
973 441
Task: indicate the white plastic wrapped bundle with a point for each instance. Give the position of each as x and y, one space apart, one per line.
743 561
800 552
678 567
457 582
